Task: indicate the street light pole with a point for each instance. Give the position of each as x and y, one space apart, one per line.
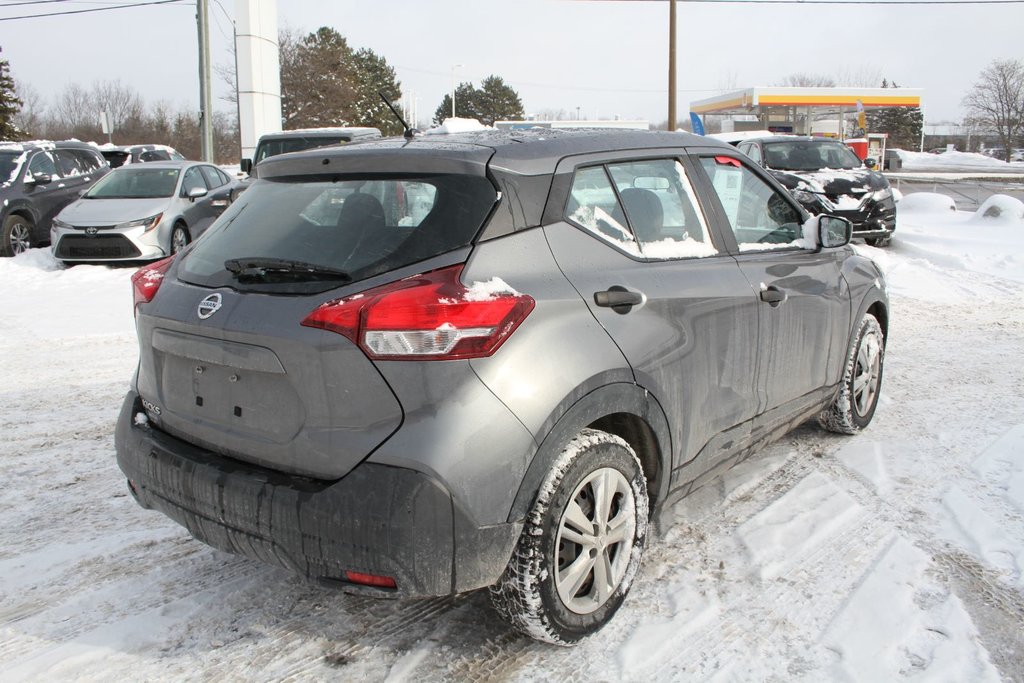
672 65
454 67
205 98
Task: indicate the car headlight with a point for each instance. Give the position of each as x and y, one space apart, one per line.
882 194
805 197
59 224
147 223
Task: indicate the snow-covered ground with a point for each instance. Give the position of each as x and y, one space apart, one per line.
957 162
898 553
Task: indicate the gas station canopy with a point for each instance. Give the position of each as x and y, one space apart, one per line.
822 100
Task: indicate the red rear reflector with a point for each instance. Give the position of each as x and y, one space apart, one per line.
146 280
432 316
728 161
370 580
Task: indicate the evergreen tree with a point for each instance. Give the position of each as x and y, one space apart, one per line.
372 77
10 103
316 82
903 124
465 104
496 101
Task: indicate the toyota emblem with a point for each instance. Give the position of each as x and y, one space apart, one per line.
91 231
209 306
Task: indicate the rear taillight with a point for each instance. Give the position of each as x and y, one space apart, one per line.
374 580
427 317
147 280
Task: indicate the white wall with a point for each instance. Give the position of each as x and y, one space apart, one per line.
259 71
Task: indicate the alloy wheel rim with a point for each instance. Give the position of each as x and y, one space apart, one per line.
867 373
178 241
19 238
595 540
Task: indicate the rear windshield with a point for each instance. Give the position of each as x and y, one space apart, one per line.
135 183
271 148
358 227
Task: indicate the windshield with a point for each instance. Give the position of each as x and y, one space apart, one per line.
8 165
358 227
271 148
809 155
135 183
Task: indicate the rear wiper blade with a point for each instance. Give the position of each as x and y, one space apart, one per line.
262 268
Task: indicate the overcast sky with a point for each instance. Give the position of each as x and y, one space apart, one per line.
607 58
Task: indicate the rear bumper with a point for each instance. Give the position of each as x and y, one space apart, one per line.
380 520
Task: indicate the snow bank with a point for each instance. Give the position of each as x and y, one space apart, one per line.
1000 207
457 125
923 161
925 202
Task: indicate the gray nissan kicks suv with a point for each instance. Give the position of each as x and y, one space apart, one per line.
420 367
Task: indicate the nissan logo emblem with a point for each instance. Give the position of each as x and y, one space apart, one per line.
209 306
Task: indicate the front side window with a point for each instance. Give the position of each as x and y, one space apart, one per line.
68 162
354 227
42 162
193 180
760 217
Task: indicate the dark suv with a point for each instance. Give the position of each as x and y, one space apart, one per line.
37 180
827 177
414 368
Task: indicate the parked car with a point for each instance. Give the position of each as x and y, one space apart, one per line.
826 176
37 180
142 212
421 367
1017 154
134 154
272 144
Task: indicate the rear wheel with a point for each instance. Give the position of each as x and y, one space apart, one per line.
580 547
854 406
16 237
179 238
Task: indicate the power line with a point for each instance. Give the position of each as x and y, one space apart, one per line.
96 9
837 2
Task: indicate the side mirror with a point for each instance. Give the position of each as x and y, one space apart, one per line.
871 163
197 193
834 231
39 179
246 165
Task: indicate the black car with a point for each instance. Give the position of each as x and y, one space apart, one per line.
134 154
38 180
827 177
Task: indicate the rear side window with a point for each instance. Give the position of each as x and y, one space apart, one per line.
68 163
193 180
361 227
647 208
89 161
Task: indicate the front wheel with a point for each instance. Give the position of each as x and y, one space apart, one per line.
179 238
854 406
17 236
879 242
581 544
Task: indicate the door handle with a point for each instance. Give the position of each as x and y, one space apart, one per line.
772 295
618 298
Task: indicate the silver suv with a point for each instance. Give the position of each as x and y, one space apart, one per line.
413 368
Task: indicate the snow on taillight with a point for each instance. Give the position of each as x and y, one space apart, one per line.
432 316
147 280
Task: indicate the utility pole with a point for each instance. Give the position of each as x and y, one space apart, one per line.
205 99
672 65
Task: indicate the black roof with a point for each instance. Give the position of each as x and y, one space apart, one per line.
529 152
33 145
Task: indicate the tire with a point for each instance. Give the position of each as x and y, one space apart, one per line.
16 237
879 242
855 404
539 593
179 238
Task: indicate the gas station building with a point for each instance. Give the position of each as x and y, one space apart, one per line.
804 110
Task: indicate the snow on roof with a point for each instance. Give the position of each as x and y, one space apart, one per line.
457 125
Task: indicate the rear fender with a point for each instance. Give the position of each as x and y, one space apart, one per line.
623 399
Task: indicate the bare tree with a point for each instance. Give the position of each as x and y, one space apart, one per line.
996 102
121 102
31 119
805 80
75 109
863 76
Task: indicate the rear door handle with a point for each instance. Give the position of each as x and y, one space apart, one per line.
618 298
772 295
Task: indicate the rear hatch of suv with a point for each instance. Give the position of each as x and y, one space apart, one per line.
229 359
